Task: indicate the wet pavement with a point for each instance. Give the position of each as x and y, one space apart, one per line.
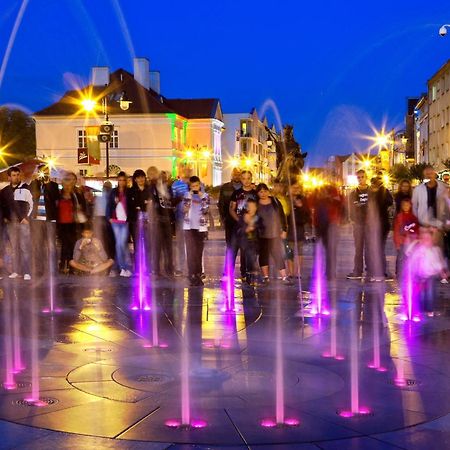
111 377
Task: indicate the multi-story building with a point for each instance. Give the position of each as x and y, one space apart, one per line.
407 139
421 154
149 129
249 143
439 116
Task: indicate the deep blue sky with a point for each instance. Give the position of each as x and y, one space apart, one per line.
332 67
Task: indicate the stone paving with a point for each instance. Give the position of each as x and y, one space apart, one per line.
111 377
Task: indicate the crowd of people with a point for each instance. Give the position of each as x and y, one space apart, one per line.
48 228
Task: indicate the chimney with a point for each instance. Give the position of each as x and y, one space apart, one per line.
155 81
142 71
100 76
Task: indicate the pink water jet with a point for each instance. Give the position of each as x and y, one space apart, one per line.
273 423
228 282
319 306
142 268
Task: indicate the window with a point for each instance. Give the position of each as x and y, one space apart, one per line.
82 140
83 172
433 93
114 139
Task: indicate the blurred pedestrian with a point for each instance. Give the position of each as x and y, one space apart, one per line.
359 199
18 203
71 217
45 194
196 211
117 216
180 188
225 194
273 231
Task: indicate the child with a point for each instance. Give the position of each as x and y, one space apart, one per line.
195 226
426 262
248 232
89 257
300 217
406 229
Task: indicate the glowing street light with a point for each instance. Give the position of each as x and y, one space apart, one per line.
88 104
443 30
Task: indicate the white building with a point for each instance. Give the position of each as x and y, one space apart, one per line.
149 129
245 144
439 116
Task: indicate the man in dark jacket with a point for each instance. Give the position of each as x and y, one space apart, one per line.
226 191
45 194
18 204
379 226
359 199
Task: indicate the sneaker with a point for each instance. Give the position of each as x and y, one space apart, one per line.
27 277
125 273
265 280
286 281
375 279
178 273
13 275
388 277
354 276
444 281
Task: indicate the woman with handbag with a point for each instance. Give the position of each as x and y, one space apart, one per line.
71 216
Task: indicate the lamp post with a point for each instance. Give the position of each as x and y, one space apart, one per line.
443 30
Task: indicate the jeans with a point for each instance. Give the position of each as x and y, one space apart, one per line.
425 291
120 231
195 241
43 236
20 238
361 248
160 240
235 247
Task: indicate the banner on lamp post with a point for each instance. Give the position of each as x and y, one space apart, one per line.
93 145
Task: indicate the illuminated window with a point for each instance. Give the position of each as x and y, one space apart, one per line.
82 141
115 139
433 93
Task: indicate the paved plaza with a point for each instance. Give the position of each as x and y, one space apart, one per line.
112 377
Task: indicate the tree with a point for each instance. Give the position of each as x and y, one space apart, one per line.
400 172
416 171
17 136
446 163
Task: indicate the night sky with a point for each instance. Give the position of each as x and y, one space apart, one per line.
333 68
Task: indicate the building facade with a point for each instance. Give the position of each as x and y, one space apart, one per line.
149 129
439 116
421 152
247 142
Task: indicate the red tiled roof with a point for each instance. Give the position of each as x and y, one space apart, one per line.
194 108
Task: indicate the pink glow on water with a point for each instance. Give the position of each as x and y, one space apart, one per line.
346 414
9 386
163 345
364 410
416 319
147 308
400 382
327 355
268 423
173 423
292 422
198 423
381 369
339 358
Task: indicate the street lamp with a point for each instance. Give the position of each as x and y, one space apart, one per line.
443 29
106 128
